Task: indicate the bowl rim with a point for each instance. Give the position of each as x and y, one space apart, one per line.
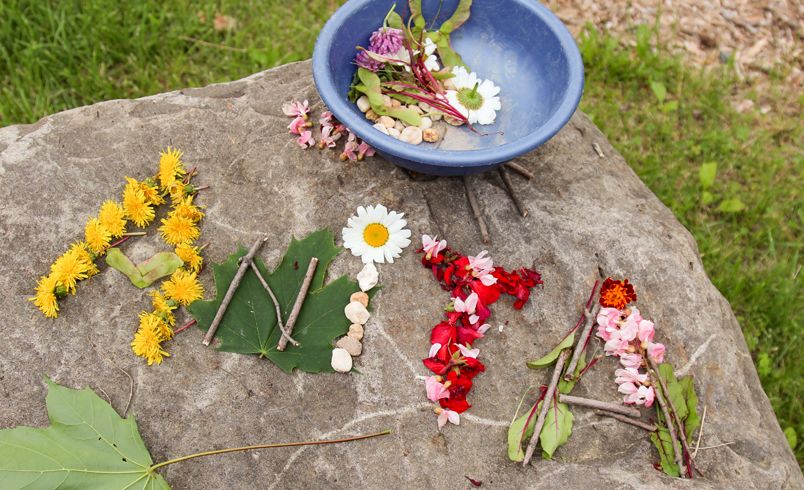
339 104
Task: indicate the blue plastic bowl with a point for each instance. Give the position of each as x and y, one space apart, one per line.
518 44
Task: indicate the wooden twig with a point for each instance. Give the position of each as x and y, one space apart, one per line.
520 170
279 323
297 306
130 389
184 327
581 345
628 420
481 223
548 398
673 411
509 186
598 150
717 445
599 405
241 271
670 426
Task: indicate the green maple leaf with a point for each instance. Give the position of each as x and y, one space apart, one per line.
88 445
249 325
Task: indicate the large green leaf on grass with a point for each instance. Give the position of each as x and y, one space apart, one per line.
87 446
249 325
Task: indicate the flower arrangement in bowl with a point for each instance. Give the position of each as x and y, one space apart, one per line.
489 80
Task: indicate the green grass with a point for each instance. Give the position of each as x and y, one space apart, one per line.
667 120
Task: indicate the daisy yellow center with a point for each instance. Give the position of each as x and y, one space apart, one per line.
376 235
470 98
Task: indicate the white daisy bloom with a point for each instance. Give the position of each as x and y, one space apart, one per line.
376 235
431 62
476 99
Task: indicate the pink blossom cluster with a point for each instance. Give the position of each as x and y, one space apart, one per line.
630 337
331 132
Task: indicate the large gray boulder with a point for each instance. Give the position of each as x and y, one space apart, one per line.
590 214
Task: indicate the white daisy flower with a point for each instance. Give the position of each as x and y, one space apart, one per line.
474 98
376 235
431 62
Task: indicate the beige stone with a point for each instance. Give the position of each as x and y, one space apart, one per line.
360 297
356 331
350 345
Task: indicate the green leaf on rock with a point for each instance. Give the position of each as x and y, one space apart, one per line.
146 273
249 325
557 428
664 444
88 445
553 355
565 386
676 394
518 433
692 421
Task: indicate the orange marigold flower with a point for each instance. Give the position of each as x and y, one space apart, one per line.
616 294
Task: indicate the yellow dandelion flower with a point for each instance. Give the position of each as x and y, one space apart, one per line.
69 269
113 217
82 252
163 307
45 298
178 190
191 256
170 167
151 192
154 321
177 229
186 209
183 287
135 205
97 237
147 344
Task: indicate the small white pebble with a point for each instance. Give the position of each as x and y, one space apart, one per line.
424 106
368 277
395 103
426 123
415 108
341 360
350 345
400 126
452 121
356 331
363 104
386 101
387 121
380 127
356 313
501 328
436 115
393 132
372 116
412 135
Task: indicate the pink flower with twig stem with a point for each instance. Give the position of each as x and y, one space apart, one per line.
296 109
299 125
328 139
435 389
656 352
350 151
432 246
364 150
446 415
305 140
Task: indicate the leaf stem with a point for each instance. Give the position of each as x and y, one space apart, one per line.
551 389
185 326
265 446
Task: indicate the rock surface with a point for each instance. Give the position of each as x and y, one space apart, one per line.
589 215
